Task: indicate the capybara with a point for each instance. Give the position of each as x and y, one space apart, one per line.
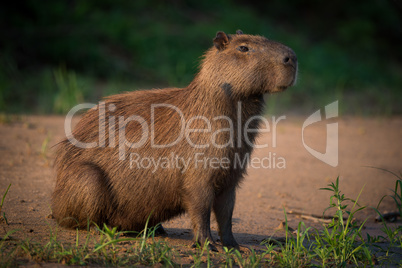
147 156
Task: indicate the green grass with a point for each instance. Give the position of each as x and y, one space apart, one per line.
3 216
396 193
341 242
295 253
109 247
336 244
392 235
68 92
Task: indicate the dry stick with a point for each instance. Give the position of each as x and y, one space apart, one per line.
322 218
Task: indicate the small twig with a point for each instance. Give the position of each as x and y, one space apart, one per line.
314 217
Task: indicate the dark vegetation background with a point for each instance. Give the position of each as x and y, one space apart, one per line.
55 54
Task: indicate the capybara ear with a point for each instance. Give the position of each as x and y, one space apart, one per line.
221 40
239 32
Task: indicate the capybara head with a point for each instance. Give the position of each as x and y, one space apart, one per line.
248 64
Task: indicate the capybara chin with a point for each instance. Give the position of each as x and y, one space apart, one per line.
155 154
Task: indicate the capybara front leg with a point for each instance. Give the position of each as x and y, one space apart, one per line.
199 206
223 209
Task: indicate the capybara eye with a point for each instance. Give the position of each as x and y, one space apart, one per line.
243 48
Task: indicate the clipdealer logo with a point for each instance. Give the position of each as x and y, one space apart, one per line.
118 124
330 156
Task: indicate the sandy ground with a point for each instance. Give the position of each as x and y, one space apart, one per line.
26 162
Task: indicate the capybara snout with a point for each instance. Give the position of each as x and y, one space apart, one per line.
150 155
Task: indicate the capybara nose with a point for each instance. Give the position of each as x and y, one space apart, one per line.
290 59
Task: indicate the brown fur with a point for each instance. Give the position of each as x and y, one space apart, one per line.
95 185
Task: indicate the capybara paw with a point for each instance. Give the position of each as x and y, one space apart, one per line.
160 231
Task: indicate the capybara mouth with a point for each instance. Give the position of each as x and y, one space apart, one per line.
292 82
277 89
283 88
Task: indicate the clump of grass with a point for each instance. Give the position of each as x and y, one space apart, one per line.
341 243
202 256
3 217
45 146
253 259
9 119
5 119
337 244
111 247
45 149
7 254
68 91
396 193
107 246
392 235
294 253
